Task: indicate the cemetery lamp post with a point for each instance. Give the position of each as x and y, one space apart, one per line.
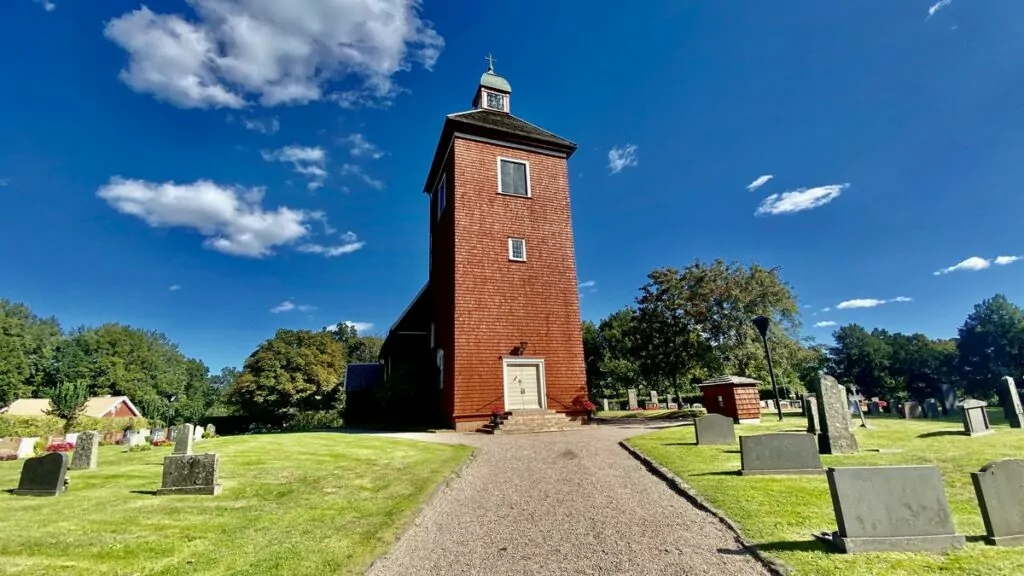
761 323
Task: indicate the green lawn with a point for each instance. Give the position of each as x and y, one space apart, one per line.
779 513
316 503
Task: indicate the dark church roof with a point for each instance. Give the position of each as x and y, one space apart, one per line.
509 123
742 380
363 377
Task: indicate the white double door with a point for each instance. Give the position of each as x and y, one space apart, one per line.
524 385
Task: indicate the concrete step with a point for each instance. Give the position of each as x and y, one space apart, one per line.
529 421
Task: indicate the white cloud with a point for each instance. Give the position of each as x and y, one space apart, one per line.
826 309
355 170
588 284
869 302
349 236
359 146
231 218
310 161
274 52
47 5
286 306
305 308
174 287
1004 260
262 125
799 200
761 181
621 158
824 324
331 251
973 263
938 6
359 326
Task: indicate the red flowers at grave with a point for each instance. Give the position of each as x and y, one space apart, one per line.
159 443
589 406
61 447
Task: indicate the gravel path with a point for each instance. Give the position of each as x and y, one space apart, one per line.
561 503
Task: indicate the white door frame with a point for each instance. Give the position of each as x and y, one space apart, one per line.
524 361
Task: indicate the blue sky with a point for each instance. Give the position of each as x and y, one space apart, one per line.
217 169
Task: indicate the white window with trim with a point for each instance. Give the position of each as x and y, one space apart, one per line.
514 177
442 197
517 249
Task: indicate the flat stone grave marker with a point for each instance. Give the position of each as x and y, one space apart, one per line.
931 408
715 429
891 509
999 486
697 406
975 417
634 404
673 406
911 410
1011 404
835 436
874 408
811 412
779 453
948 398
87 450
183 439
43 475
191 474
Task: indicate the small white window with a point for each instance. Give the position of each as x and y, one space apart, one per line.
517 249
513 177
442 197
440 368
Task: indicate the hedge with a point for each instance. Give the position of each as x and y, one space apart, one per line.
38 426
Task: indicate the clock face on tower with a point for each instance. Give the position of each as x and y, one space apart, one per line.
495 101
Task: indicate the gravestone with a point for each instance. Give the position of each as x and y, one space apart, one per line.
672 406
715 429
9 448
654 397
197 433
633 403
999 486
874 408
911 410
1011 404
931 408
604 405
891 509
811 411
158 435
87 450
190 474
835 436
948 398
697 406
183 439
43 475
779 453
975 417
894 407
668 399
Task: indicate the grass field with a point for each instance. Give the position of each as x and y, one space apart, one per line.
315 503
779 513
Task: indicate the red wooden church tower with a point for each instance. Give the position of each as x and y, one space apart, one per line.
499 315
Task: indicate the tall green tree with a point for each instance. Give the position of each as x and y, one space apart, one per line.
990 345
67 402
27 343
295 371
864 358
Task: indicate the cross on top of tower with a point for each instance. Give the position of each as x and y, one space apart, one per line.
490 62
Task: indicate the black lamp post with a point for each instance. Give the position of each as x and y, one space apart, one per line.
761 322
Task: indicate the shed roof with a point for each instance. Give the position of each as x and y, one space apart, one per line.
732 380
97 406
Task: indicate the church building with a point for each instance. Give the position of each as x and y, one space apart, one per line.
496 327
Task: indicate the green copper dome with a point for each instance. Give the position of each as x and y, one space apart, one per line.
495 82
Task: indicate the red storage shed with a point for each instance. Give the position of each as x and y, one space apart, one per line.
733 396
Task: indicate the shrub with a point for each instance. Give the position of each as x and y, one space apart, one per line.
313 420
140 448
39 447
36 426
61 447
692 413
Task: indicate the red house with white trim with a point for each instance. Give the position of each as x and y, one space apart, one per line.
497 325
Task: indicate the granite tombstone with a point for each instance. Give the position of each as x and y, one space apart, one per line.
811 413
1011 403
911 410
87 450
194 474
715 429
931 408
835 436
948 393
183 438
999 486
874 408
634 404
779 453
975 417
891 509
43 475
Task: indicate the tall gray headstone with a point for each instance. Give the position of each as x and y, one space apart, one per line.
894 407
835 436
43 475
1011 404
948 399
975 417
654 397
604 406
715 429
633 403
931 408
911 410
891 509
999 486
183 437
779 453
194 474
874 408
811 412
87 449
